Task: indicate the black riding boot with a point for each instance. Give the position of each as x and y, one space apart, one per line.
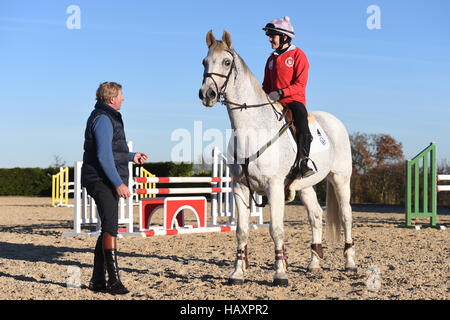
305 170
114 285
98 280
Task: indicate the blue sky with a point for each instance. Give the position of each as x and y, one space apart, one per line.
394 80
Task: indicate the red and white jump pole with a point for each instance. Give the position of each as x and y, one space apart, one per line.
182 190
184 179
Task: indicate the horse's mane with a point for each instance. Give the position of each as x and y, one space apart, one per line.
255 83
253 80
246 70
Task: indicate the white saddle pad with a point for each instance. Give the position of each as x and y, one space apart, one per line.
320 141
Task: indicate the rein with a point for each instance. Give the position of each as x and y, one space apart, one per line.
223 100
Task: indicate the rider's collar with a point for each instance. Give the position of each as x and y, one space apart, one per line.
291 47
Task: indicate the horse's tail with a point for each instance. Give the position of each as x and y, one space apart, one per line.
333 217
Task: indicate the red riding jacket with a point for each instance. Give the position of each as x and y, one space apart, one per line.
288 72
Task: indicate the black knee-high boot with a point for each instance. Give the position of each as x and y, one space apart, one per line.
98 280
305 144
300 117
114 285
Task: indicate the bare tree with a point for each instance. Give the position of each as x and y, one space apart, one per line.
58 162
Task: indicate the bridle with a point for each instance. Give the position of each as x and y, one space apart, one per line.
221 96
221 92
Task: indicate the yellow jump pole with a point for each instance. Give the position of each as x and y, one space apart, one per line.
54 186
60 187
65 187
147 174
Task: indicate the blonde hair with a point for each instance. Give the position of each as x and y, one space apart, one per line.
108 90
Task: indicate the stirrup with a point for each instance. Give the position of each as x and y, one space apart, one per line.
305 170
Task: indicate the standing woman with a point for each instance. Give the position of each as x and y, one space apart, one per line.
105 175
285 78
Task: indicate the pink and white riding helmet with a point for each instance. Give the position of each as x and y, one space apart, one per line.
280 25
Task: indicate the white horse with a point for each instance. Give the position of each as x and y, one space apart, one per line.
228 80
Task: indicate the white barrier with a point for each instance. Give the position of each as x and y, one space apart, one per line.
443 177
223 203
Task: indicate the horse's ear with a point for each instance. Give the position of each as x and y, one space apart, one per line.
226 38
210 39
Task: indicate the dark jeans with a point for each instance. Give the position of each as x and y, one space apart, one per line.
107 202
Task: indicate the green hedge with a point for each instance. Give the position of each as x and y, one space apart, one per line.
169 169
26 181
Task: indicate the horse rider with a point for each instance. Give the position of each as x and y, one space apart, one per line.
285 78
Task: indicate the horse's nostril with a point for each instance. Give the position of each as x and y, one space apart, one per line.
211 93
200 94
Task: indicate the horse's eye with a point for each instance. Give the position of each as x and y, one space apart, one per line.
227 62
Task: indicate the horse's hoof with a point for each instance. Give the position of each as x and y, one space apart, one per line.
315 270
280 282
351 269
233 282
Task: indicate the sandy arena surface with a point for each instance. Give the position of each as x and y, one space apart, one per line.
37 263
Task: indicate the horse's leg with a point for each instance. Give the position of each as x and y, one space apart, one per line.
275 194
241 196
341 185
315 211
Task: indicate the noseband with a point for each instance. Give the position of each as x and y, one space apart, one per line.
221 92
